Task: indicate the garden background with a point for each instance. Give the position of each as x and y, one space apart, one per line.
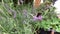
17 19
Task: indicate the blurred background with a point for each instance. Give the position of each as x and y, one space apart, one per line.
16 17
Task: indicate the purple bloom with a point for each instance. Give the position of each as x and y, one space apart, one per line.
25 12
38 17
14 15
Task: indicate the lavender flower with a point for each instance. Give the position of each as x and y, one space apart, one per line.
37 17
10 10
25 13
14 14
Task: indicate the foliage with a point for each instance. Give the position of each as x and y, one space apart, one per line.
14 20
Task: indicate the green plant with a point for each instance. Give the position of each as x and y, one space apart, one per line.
22 23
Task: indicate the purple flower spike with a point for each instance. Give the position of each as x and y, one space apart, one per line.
25 12
38 17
